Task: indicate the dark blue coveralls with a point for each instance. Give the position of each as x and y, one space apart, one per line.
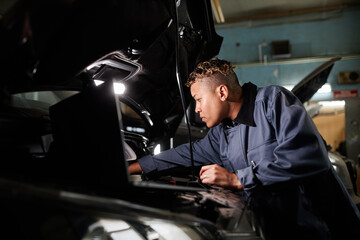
281 160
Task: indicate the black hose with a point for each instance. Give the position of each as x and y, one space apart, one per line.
177 46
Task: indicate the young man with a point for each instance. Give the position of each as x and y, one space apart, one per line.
262 141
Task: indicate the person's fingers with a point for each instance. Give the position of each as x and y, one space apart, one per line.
208 167
204 174
203 169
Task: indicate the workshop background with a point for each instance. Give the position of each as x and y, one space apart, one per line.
281 41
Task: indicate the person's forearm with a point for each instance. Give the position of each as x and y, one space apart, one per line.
135 168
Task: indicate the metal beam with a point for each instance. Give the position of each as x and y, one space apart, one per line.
295 60
217 10
288 13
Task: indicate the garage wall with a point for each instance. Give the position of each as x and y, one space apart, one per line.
352 115
313 38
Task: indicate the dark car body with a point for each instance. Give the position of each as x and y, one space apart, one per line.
54 52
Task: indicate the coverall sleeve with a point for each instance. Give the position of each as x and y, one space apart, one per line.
205 151
300 151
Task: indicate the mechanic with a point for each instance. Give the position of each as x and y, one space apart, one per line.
262 141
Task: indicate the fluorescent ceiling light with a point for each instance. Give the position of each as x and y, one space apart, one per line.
332 103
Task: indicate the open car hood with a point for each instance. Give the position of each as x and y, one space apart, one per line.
307 87
58 45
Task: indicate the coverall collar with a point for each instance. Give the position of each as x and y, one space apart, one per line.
246 113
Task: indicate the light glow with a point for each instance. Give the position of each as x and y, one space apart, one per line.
326 88
169 231
119 88
98 82
135 129
157 149
289 87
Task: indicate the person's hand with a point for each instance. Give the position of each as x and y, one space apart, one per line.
134 168
214 174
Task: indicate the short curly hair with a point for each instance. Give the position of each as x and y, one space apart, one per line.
221 68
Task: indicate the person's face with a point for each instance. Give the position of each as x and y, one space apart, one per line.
208 102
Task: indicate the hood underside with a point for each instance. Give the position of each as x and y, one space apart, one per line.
58 45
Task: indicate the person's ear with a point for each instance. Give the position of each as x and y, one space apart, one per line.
223 92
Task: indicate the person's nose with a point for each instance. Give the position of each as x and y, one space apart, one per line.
197 108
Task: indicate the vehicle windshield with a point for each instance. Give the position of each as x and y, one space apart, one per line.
37 103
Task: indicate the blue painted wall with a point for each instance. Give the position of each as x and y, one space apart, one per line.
318 35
